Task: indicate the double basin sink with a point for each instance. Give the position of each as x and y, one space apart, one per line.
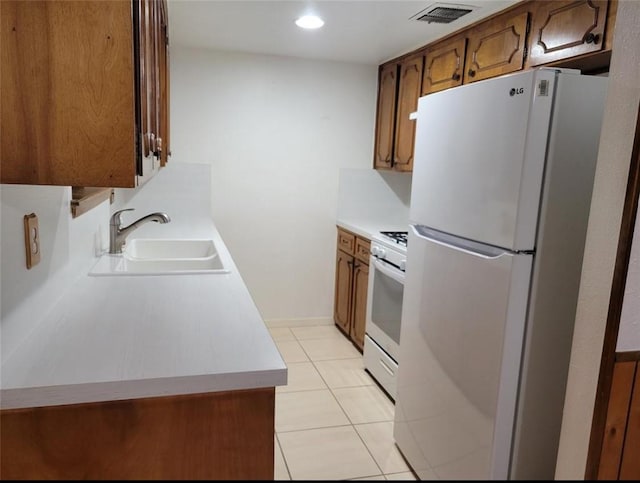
143 256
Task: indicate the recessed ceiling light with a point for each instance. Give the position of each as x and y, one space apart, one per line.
310 22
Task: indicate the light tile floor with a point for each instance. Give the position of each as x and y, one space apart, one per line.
333 422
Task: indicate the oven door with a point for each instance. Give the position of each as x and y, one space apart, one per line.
384 305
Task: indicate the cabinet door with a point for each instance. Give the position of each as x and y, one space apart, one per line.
67 98
342 296
444 66
563 29
408 93
359 303
149 75
386 115
496 48
163 132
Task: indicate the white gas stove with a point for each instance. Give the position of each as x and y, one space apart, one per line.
384 307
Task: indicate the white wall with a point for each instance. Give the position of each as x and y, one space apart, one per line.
610 185
67 247
276 131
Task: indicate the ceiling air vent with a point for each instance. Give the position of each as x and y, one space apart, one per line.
442 13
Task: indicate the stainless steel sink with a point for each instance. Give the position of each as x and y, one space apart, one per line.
162 257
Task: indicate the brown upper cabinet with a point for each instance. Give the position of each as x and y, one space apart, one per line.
444 65
567 28
399 87
409 89
565 33
386 115
84 91
496 47
153 61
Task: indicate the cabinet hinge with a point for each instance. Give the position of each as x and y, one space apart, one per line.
526 51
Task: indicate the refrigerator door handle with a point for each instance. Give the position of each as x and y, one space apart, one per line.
476 249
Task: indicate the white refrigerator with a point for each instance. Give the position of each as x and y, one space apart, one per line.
501 189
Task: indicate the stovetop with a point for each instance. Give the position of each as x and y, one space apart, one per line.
398 237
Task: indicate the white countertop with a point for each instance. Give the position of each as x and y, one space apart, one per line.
368 228
123 337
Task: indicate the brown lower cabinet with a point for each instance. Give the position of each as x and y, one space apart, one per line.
351 284
214 436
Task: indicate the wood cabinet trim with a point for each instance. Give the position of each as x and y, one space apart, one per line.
612 13
627 356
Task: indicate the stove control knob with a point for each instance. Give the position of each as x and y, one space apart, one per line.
378 252
403 265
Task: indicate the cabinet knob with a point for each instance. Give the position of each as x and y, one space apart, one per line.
472 73
158 151
455 77
593 39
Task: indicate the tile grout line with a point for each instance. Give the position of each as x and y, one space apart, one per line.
313 363
351 423
286 465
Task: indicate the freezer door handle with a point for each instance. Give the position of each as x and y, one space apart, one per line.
476 249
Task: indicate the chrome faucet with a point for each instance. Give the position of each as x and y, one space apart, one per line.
118 235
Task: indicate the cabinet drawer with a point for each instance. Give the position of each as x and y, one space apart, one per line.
362 249
346 241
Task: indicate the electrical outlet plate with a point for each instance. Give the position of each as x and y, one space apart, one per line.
32 239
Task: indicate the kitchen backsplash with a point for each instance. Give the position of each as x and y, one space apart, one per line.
370 195
67 246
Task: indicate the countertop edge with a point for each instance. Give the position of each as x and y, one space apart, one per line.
104 392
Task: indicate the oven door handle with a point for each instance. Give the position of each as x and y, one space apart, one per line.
397 275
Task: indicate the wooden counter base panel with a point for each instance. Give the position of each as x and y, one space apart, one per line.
223 435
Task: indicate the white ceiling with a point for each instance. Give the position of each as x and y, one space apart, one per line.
365 31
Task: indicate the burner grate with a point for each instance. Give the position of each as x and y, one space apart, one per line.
400 237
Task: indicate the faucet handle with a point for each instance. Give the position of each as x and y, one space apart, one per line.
116 217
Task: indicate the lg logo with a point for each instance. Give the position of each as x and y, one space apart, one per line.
514 91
